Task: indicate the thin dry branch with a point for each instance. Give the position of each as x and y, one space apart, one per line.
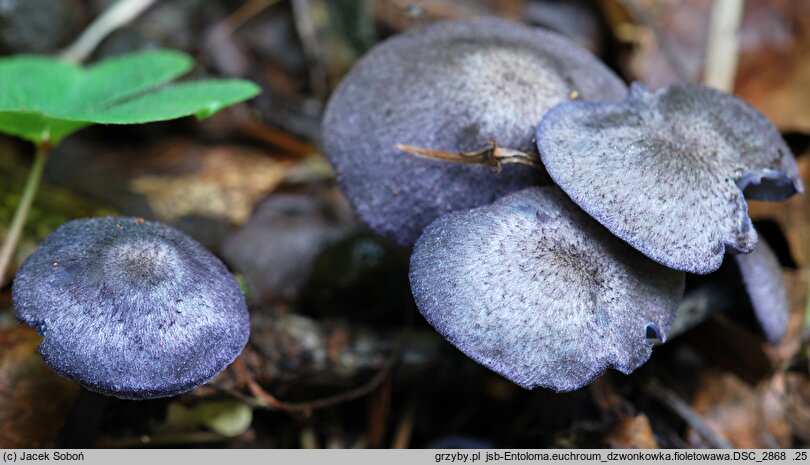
249 10
307 32
263 399
672 401
492 155
723 47
117 15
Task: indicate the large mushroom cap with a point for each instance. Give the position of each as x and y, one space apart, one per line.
130 308
766 288
666 170
450 86
534 289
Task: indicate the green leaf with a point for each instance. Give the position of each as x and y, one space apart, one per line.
36 127
44 100
141 71
199 98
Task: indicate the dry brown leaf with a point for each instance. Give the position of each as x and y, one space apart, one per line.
761 417
729 406
648 28
226 183
34 400
632 433
774 67
781 400
776 83
797 404
200 189
774 71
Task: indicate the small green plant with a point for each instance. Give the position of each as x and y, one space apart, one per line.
43 100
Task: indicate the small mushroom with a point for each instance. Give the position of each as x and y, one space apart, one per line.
277 248
131 308
766 288
666 170
455 86
537 291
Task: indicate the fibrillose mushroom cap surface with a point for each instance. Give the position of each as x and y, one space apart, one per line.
767 291
131 308
452 86
537 291
666 170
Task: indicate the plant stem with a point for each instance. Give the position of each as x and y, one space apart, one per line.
116 15
723 47
492 155
15 231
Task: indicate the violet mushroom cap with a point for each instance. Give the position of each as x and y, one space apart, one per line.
667 170
537 291
131 308
766 288
450 86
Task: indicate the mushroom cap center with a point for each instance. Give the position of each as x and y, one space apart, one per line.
142 263
497 80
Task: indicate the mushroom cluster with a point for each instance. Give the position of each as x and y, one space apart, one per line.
572 260
131 308
456 86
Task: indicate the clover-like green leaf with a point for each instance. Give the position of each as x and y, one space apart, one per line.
43 99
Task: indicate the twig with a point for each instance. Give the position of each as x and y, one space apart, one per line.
404 431
492 155
723 47
672 55
29 192
267 400
379 410
278 138
311 47
243 14
119 14
235 393
672 401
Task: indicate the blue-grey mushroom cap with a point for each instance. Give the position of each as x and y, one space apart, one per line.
667 170
767 291
131 308
537 291
450 86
